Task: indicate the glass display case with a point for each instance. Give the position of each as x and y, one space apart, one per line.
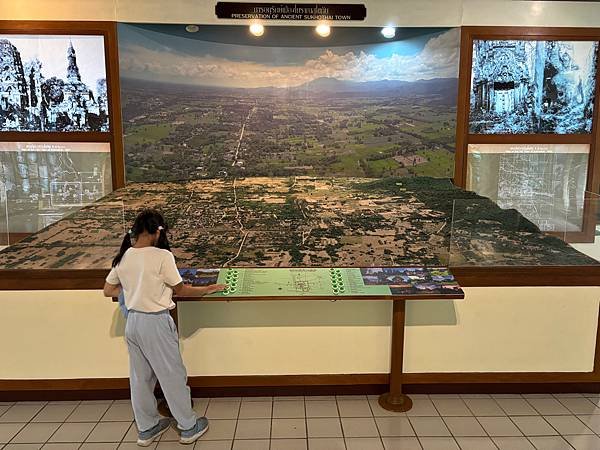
544 182
312 223
46 181
484 234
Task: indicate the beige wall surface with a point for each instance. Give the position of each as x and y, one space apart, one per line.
79 334
409 13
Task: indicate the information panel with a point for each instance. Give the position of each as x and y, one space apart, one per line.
328 282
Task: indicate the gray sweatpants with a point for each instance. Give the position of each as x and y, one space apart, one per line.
154 353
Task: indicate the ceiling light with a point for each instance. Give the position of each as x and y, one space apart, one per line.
388 32
323 30
192 28
257 29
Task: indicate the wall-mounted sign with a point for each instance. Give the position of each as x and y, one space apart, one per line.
290 11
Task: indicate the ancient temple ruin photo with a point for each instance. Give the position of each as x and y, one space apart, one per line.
522 87
45 87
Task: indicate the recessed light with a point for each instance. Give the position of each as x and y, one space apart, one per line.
257 29
388 32
192 28
323 30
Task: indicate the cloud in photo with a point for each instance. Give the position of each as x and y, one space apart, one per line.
437 59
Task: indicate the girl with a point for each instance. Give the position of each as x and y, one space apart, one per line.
148 276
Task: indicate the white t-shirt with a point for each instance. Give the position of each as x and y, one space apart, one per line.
146 275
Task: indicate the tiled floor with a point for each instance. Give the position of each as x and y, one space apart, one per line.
436 422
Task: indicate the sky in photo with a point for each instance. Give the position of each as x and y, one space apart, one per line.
164 57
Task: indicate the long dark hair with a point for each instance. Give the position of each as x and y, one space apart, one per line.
148 220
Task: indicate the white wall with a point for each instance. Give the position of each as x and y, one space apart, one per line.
410 13
79 334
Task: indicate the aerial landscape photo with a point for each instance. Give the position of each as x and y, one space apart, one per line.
196 109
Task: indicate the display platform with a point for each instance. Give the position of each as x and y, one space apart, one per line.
327 283
305 222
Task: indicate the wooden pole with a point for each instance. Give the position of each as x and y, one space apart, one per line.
395 400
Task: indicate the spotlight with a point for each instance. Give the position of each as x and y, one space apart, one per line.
388 32
192 28
323 30
257 29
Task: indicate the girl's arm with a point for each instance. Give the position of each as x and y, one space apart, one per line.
111 290
187 290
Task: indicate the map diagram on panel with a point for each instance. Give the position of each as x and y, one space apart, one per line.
526 183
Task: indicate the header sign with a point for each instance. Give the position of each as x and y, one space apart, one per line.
290 11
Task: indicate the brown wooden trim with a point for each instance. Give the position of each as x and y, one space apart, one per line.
12 237
60 279
114 106
251 385
33 280
527 276
248 381
462 109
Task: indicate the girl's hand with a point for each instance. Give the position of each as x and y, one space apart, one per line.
211 289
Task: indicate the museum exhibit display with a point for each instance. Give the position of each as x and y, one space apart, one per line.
297 222
384 207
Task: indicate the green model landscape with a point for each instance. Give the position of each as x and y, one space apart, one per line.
301 222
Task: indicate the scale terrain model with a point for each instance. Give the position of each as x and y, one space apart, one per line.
301 222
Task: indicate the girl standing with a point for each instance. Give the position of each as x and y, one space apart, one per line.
147 275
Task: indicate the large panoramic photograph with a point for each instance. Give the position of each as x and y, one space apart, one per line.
195 108
53 83
522 87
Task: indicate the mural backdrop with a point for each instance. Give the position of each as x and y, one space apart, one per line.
203 108
532 86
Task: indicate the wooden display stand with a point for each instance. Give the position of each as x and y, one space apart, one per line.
394 399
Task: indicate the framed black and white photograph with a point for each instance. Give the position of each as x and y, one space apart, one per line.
53 83
532 87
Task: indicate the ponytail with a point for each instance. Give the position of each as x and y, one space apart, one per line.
151 221
163 241
125 245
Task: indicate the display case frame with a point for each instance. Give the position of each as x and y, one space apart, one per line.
464 137
114 135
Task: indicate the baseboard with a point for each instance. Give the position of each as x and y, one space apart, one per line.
326 384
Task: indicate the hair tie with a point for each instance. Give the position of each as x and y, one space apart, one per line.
160 227
129 232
